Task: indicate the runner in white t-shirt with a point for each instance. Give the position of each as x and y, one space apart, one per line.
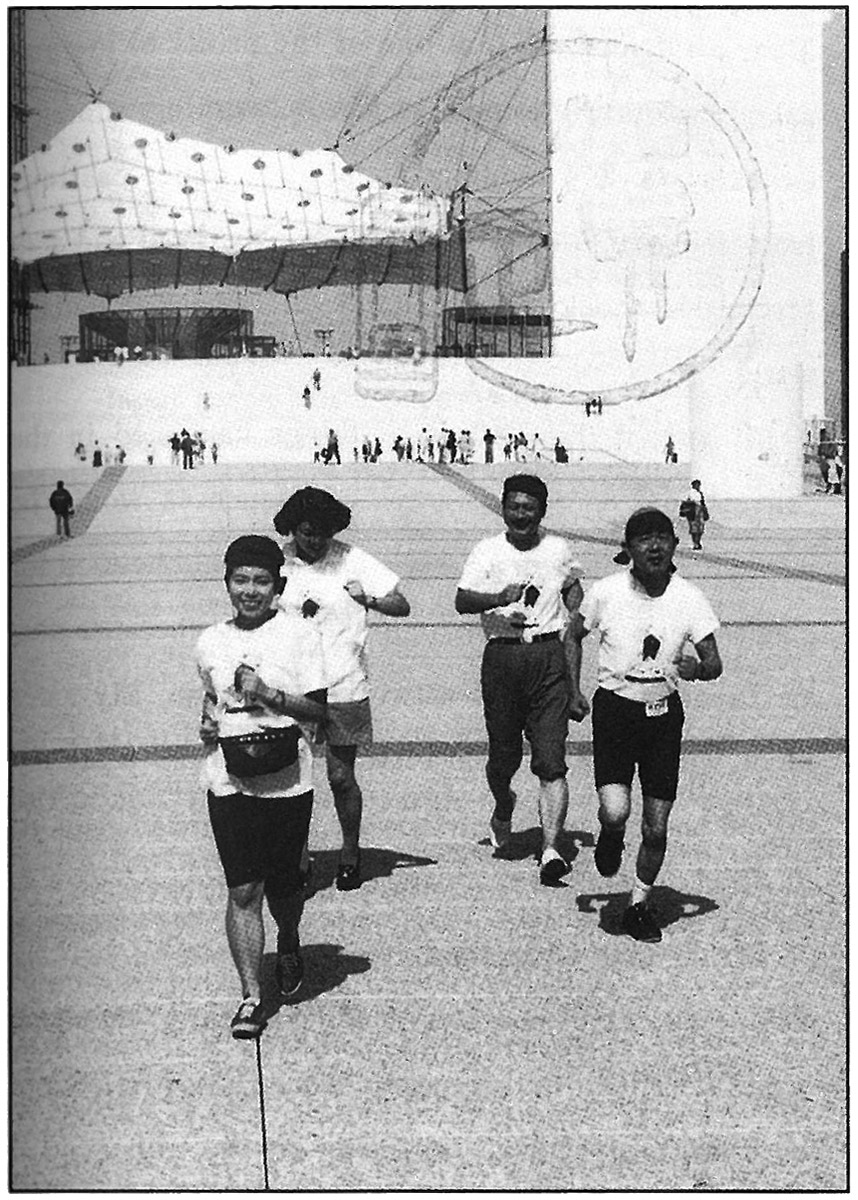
334 585
646 618
524 583
264 684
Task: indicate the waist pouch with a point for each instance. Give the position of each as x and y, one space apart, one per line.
260 753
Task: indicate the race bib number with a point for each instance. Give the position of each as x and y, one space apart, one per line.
657 708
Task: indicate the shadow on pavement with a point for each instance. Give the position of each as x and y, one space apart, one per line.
375 863
669 906
527 843
325 968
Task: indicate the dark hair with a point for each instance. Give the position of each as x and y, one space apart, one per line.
315 505
531 485
255 550
644 520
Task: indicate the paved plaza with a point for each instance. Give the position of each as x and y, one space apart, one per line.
461 1027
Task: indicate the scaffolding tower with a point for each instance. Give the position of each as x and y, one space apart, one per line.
19 292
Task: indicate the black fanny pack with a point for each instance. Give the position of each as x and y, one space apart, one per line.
261 753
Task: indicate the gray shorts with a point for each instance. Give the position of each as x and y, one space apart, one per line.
349 723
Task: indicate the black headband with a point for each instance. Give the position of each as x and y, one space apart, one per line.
254 550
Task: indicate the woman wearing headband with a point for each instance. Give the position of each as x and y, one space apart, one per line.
333 585
263 675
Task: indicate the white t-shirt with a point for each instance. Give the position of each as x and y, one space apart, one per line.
341 621
545 570
641 636
286 653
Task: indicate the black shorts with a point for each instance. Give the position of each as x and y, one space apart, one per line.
624 737
260 837
525 689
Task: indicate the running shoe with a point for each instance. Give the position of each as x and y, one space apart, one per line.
552 870
249 1020
289 973
348 876
500 833
639 923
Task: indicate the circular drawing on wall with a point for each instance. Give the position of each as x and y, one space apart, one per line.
660 221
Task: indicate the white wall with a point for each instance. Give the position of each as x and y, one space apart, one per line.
688 223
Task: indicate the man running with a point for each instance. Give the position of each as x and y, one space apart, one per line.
645 617
524 584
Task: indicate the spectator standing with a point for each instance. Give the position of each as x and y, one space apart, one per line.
305 396
333 448
96 454
215 452
150 454
62 506
645 617
175 449
489 440
669 450
693 508
187 445
317 379
836 471
524 583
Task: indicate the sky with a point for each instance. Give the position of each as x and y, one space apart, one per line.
256 77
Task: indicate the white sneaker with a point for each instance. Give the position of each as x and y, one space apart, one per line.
552 868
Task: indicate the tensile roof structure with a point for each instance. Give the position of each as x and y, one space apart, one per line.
110 206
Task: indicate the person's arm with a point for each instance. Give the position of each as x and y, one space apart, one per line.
308 707
393 604
706 666
208 720
573 636
469 601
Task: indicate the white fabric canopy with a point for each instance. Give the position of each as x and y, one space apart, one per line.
111 206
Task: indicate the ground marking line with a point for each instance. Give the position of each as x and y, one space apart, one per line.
85 514
262 1111
64 755
386 625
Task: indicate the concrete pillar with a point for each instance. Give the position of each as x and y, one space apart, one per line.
687 224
